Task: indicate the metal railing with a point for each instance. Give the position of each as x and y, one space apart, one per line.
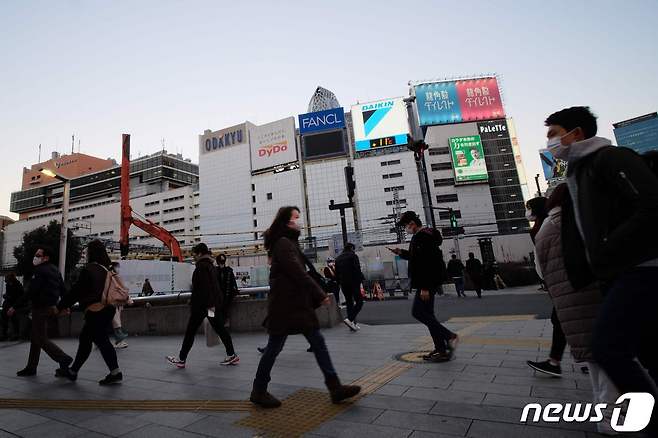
182 296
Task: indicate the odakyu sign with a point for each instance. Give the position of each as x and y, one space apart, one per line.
470 100
322 120
233 136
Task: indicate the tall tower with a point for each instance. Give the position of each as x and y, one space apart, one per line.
322 99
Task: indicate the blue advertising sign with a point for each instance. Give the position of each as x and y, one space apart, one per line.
438 103
322 120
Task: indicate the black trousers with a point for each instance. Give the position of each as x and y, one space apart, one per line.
559 342
354 302
423 311
39 340
217 322
627 329
94 331
5 321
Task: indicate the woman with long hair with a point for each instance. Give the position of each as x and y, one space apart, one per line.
88 292
292 301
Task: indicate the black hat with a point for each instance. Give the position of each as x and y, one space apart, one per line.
408 217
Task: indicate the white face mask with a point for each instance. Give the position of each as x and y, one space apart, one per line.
36 261
529 215
556 148
298 224
409 229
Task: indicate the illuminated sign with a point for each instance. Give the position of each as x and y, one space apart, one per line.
322 120
468 159
380 124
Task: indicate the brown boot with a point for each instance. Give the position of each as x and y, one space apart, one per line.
341 392
264 399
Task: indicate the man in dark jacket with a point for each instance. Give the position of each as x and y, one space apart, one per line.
424 255
615 202
206 302
350 277
44 292
475 272
227 284
13 292
456 273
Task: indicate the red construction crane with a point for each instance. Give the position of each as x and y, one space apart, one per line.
127 218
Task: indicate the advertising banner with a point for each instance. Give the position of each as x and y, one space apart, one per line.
438 104
554 169
214 141
273 144
322 120
468 159
380 124
323 145
459 101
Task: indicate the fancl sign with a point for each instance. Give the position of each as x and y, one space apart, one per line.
322 120
232 136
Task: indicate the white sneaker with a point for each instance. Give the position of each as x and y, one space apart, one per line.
350 324
358 327
230 360
121 344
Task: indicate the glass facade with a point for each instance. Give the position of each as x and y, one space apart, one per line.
148 169
639 134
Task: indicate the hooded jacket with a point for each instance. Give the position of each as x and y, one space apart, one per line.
426 266
615 199
577 309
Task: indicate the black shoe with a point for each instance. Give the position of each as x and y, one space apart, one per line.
264 399
111 379
429 355
584 370
438 357
66 373
546 367
26 372
261 350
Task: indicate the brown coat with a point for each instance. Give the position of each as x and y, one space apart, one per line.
576 309
294 295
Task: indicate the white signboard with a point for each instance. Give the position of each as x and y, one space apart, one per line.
380 124
273 144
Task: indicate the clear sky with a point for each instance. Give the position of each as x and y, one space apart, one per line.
170 69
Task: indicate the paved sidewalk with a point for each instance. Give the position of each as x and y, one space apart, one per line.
480 394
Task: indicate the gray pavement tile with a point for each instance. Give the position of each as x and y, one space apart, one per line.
403 404
12 420
500 371
227 417
425 422
517 402
514 363
483 361
360 414
421 434
584 385
345 429
478 412
445 395
424 382
539 380
450 375
214 426
487 429
569 394
392 389
112 424
158 431
172 419
495 388
52 429
71 417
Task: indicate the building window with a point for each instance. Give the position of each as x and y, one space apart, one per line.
447 198
174 221
255 223
439 151
389 163
253 187
392 175
254 210
441 166
269 197
148 204
393 189
445 215
400 201
171 210
107 233
253 199
443 182
153 213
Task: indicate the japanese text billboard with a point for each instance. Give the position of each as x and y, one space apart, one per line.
554 168
322 120
380 124
459 101
468 159
273 144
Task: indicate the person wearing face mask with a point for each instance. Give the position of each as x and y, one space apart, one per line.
615 202
13 293
350 278
206 302
44 291
294 296
425 257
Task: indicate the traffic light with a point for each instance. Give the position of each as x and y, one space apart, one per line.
349 181
453 219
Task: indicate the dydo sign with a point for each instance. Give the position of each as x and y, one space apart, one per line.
273 144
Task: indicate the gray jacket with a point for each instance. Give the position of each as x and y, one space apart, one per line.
576 309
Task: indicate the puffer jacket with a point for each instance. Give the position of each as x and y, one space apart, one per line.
576 309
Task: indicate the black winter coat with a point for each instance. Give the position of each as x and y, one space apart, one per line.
618 210
455 268
45 289
88 289
348 271
294 295
13 294
205 285
228 285
426 265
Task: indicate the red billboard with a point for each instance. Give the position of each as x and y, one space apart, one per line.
479 99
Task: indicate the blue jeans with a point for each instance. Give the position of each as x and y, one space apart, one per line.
423 311
274 346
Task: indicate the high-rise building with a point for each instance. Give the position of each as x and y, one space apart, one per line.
639 133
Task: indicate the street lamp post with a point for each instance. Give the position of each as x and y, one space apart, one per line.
63 235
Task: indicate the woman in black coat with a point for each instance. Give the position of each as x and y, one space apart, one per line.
292 301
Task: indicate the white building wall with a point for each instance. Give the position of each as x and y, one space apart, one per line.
372 179
284 189
225 195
